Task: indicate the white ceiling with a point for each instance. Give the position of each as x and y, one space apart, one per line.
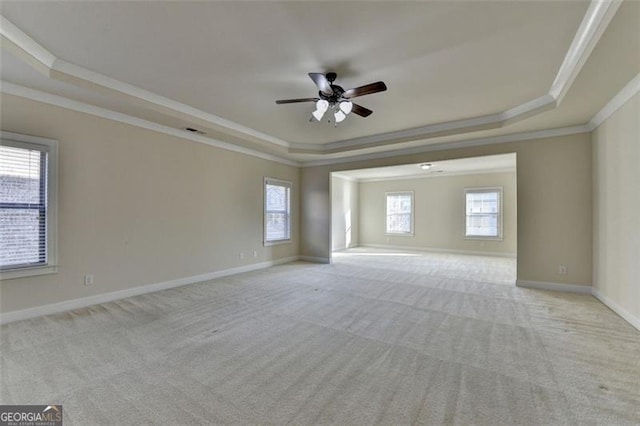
473 165
219 66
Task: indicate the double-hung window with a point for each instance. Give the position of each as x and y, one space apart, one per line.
483 213
27 205
277 211
399 210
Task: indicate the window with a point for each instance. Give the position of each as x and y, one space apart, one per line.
483 213
399 208
277 211
27 205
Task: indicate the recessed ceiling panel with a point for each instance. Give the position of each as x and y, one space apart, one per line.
442 61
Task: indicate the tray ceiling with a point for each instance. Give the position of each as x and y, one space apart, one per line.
219 66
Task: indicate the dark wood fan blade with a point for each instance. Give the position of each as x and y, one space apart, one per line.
367 89
361 111
321 81
293 101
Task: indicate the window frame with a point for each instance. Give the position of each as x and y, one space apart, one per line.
276 182
411 232
500 221
50 265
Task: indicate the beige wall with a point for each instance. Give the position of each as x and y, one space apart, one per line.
553 198
616 209
439 213
127 211
344 213
137 207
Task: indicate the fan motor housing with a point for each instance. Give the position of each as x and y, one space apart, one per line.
333 98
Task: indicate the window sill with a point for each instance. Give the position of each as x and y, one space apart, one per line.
482 237
400 234
28 272
277 242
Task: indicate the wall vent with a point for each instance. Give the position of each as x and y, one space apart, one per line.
194 130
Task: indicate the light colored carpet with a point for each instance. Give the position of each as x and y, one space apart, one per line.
375 337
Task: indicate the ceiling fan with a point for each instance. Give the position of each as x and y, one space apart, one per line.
331 96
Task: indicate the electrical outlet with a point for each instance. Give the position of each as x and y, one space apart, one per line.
241 255
562 269
88 279
255 253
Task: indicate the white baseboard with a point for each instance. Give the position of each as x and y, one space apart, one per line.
338 250
83 302
626 315
439 250
314 259
541 285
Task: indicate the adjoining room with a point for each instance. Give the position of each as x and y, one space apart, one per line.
465 207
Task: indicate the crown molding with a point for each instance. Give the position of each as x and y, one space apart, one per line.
16 36
50 99
593 25
444 146
432 175
79 76
62 70
485 122
344 177
627 92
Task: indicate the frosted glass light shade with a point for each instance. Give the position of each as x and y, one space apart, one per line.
346 107
317 114
321 108
322 105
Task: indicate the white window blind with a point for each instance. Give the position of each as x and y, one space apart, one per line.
483 212
23 206
277 210
399 210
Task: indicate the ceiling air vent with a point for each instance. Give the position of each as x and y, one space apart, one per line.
193 130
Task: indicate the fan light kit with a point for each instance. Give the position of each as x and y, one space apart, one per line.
335 98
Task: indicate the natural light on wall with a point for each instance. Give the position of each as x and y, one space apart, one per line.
399 211
23 214
28 204
347 226
483 212
277 211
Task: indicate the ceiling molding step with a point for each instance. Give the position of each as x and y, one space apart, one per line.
26 43
64 71
528 109
466 125
431 175
491 140
10 46
344 177
593 25
627 92
79 76
485 122
303 148
48 98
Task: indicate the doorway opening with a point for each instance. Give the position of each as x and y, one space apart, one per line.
462 211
